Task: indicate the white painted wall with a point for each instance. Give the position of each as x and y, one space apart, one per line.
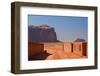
5 33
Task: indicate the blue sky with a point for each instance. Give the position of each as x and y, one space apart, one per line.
68 28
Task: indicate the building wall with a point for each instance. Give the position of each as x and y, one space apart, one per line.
84 49
68 47
34 48
78 48
53 46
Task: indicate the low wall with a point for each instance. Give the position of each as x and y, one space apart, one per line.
84 49
68 48
78 48
54 46
34 48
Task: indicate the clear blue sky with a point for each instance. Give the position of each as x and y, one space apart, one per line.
68 28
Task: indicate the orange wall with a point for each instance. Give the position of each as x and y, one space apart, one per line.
78 48
53 46
34 48
84 49
68 47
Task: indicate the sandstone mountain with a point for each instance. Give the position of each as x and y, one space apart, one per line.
80 40
42 33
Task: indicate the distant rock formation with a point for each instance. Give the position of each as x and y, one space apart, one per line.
42 33
80 40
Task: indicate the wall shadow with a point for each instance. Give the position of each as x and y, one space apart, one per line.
42 55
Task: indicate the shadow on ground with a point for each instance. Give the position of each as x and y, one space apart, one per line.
40 56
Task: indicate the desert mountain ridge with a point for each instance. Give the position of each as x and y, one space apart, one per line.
80 40
41 33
